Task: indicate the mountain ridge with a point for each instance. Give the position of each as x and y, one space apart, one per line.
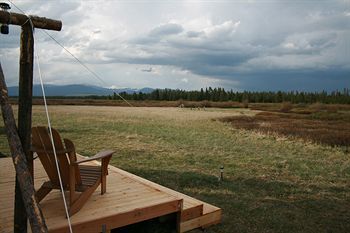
77 90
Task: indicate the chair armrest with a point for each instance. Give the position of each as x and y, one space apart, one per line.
100 155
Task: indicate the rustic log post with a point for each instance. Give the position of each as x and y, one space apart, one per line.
23 174
24 116
25 98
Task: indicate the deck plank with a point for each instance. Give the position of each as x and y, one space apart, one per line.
129 199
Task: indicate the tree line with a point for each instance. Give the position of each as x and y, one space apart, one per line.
221 95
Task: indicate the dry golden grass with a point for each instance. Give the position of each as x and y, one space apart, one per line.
270 184
136 103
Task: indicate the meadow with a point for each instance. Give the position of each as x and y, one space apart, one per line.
271 183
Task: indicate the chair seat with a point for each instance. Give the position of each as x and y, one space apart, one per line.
89 174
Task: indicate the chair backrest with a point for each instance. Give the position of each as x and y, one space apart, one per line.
41 144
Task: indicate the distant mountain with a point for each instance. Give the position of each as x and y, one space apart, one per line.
77 90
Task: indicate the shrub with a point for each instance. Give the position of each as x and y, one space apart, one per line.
331 129
286 107
245 103
317 107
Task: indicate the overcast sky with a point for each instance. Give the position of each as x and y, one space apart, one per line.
239 45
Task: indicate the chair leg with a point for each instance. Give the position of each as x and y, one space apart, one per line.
104 173
81 200
103 184
43 191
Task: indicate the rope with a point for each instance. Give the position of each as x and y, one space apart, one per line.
52 142
49 124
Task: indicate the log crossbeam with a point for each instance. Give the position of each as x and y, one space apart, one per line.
38 22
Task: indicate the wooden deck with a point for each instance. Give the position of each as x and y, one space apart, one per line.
129 199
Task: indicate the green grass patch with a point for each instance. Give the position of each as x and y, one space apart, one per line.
271 184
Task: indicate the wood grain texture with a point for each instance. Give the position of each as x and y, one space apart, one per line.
38 22
129 199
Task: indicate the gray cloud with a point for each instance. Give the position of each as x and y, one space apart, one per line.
242 45
147 70
166 29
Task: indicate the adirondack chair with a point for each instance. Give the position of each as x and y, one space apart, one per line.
80 180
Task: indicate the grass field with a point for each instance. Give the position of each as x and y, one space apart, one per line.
271 183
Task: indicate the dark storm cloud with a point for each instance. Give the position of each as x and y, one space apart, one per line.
289 52
252 44
292 80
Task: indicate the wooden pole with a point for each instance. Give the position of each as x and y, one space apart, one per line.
24 177
24 116
25 106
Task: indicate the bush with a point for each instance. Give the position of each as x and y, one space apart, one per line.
318 107
286 107
245 103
